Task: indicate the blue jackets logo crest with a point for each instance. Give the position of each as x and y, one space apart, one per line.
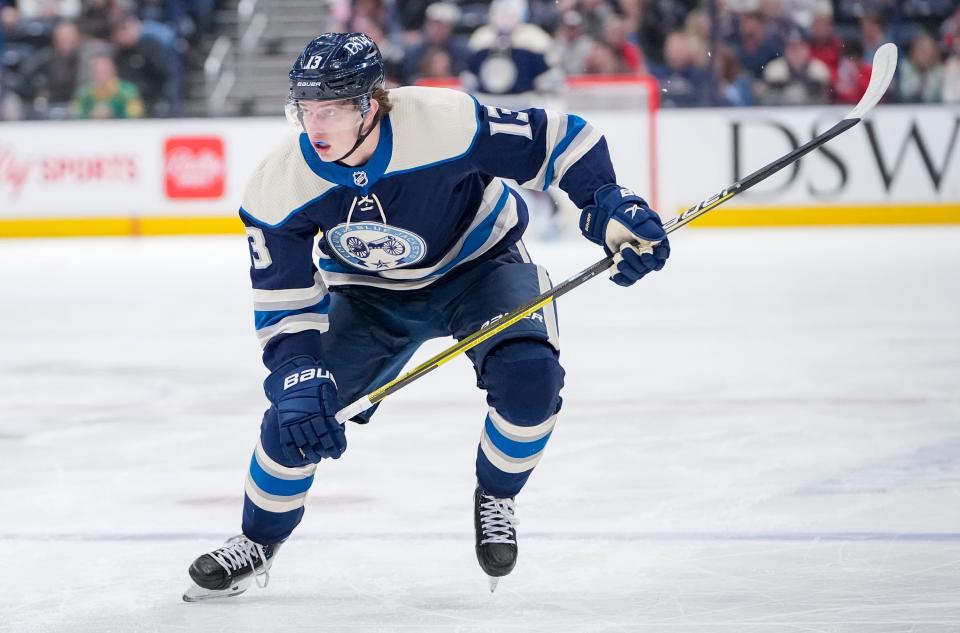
375 246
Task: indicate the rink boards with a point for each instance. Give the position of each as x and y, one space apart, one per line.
162 177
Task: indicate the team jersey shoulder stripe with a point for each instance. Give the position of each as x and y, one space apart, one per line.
430 126
282 185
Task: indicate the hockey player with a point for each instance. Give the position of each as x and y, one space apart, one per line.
381 223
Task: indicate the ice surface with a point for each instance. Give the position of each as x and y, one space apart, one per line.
765 437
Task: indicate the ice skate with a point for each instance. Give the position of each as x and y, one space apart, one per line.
230 570
494 521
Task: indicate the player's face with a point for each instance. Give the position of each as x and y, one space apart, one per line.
331 125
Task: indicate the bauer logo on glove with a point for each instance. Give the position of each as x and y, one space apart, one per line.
307 374
629 230
304 406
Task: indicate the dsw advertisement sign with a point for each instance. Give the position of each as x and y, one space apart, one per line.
898 155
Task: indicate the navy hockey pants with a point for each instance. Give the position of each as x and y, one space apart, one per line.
374 332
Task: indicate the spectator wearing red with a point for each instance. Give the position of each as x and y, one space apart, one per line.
615 36
951 68
853 75
824 43
950 29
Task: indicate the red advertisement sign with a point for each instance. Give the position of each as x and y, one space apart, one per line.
194 167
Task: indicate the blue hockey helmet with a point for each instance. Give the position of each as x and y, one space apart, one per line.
337 66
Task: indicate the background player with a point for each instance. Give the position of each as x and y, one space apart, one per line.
382 223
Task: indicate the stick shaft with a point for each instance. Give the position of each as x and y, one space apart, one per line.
884 66
566 286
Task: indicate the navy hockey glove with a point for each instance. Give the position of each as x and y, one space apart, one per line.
627 228
305 397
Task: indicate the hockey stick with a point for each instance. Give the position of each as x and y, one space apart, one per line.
884 64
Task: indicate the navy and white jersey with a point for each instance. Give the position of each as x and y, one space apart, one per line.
429 202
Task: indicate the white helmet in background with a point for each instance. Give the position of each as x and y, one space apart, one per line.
506 15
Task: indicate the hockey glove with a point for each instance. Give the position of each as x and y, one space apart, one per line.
305 398
627 228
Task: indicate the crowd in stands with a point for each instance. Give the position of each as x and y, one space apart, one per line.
96 58
126 58
702 52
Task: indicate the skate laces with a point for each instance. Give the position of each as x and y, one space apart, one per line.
497 520
238 552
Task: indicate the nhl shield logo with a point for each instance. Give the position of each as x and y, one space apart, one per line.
374 246
360 178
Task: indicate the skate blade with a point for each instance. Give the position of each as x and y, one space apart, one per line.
196 593
494 581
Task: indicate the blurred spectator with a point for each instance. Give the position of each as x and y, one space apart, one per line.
173 14
23 35
951 78
412 15
435 63
374 11
366 22
595 14
149 63
873 33
824 43
97 18
572 43
10 104
802 13
697 29
652 31
775 20
441 19
511 57
921 74
796 78
3 42
603 60
106 96
950 29
852 76
734 85
51 77
754 46
51 10
615 36
632 12
951 69
682 82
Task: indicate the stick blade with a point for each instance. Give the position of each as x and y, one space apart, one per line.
884 65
